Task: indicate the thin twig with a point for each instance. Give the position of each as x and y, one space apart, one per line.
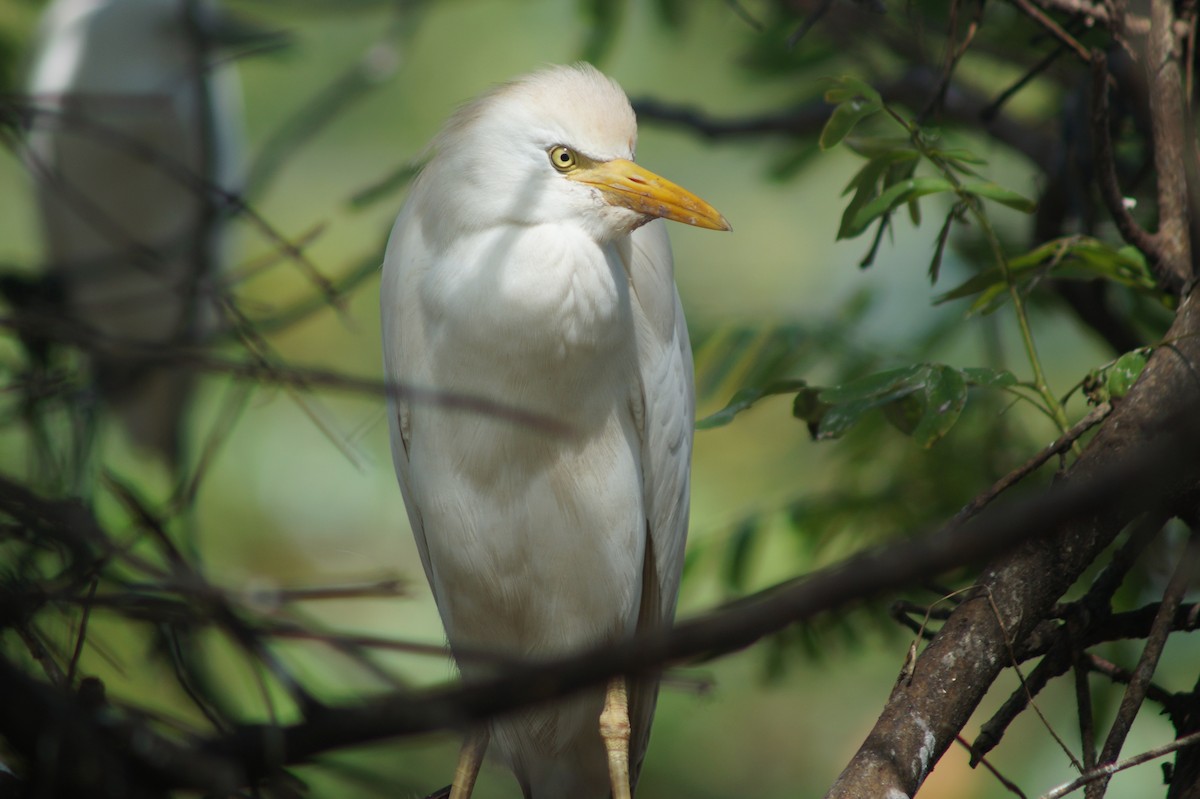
81 636
1110 189
1058 446
1012 655
1053 28
1011 786
1083 705
1160 630
1155 693
1108 769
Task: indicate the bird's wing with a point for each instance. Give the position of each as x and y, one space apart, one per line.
399 315
668 408
666 420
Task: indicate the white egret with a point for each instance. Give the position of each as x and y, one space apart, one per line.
132 98
527 267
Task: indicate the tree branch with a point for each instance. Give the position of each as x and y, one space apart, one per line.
1139 683
1110 189
1167 110
923 716
962 104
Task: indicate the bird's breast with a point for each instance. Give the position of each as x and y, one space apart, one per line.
542 295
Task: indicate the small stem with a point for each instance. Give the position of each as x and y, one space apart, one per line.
975 206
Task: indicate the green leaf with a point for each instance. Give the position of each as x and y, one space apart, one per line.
945 397
891 148
808 407
866 186
744 399
922 400
898 171
901 192
905 413
991 378
845 88
1125 372
1001 195
881 386
1070 258
844 118
914 212
958 154
840 418
939 249
972 285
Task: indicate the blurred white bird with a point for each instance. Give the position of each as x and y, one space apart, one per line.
130 98
525 269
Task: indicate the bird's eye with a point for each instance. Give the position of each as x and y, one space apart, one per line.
563 158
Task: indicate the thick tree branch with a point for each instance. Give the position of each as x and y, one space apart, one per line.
1167 110
923 716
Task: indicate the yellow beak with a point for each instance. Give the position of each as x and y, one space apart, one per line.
626 184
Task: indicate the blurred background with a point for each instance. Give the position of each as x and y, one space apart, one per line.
297 489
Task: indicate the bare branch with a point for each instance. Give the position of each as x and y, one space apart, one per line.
1135 693
1167 111
1059 446
962 104
1029 9
951 676
1110 189
1107 770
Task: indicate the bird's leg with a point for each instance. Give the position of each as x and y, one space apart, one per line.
614 729
470 758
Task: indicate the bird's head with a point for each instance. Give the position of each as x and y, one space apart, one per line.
556 146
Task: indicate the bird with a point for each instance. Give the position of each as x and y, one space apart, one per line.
529 268
135 119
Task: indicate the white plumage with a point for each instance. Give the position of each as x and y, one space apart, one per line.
130 102
525 269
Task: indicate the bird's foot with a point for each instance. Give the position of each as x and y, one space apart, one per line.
614 729
470 758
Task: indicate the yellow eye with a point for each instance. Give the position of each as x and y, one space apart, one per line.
563 158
